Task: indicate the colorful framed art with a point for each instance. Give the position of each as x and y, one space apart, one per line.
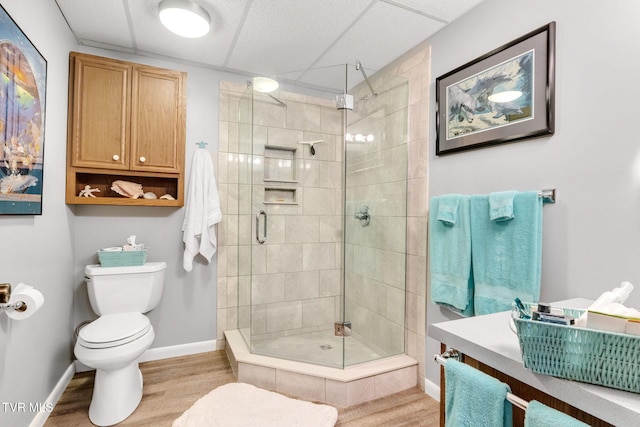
23 78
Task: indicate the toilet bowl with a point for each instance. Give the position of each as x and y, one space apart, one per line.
113 348
113 343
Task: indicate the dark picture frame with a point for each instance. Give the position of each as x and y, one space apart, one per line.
22 120
470 112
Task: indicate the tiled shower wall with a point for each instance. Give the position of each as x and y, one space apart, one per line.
232 262
296 273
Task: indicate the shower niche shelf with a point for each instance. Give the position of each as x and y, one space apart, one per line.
279 164
280 196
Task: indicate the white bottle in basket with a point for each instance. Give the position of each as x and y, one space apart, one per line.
616 295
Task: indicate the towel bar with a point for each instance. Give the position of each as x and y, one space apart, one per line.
441 359
548 195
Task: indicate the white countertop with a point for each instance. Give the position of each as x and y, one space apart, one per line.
489 340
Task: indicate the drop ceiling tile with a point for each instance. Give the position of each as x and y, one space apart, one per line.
103 21
384 33
212 49
446 10
281 36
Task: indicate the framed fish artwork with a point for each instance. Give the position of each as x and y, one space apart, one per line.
23 78
503 96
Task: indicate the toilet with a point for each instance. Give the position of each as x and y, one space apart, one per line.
113 343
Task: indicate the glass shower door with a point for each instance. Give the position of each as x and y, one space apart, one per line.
322 219
296 249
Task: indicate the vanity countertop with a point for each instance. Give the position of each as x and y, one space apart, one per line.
489 340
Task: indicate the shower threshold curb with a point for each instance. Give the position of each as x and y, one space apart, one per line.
343 387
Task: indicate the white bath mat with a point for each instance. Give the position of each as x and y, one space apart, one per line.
239 404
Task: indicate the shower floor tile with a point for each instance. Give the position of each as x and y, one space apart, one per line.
322 348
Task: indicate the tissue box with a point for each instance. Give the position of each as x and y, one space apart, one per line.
606 322
122 258
633 327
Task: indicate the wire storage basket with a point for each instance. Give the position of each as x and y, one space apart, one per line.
122 258
587 355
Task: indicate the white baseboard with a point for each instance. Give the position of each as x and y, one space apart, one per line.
42 416
166 352
178 350
432 389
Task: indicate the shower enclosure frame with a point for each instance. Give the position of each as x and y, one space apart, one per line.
364 96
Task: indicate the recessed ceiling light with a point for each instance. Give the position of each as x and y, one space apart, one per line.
184 17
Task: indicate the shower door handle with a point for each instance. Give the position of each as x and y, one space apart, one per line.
264 235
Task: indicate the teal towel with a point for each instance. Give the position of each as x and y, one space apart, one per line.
447 211
473 398
450 253
507 255
501 206
539 415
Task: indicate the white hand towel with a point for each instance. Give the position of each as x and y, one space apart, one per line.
202 210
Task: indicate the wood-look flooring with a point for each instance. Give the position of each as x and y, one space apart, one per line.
171 386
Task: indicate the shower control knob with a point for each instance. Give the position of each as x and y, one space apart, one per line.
363 215
115 157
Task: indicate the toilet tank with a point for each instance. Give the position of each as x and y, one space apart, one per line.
114 290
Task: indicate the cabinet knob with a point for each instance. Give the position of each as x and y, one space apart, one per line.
143 159
116 157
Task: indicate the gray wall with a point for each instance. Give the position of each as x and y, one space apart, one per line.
187 311
50 251
38 250
591 239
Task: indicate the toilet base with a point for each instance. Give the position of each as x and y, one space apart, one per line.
116 394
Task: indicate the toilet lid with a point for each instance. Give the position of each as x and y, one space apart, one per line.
114 329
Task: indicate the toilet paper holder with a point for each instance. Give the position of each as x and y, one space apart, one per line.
5 295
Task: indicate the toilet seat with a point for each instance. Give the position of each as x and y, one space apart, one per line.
113 330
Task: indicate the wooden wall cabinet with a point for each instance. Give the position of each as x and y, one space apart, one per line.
126 122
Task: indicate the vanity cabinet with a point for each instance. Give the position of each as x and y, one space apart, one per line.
488 344
126 122
522 390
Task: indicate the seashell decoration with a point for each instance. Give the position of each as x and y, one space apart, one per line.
167 197
150 195
127 189
88 191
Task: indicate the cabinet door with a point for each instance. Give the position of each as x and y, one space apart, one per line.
100 122
157 120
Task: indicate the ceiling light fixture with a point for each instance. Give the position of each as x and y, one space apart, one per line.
264 84
184 17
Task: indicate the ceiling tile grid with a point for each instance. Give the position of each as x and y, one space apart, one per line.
380 36
102 21
289 38
213 48
281 36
